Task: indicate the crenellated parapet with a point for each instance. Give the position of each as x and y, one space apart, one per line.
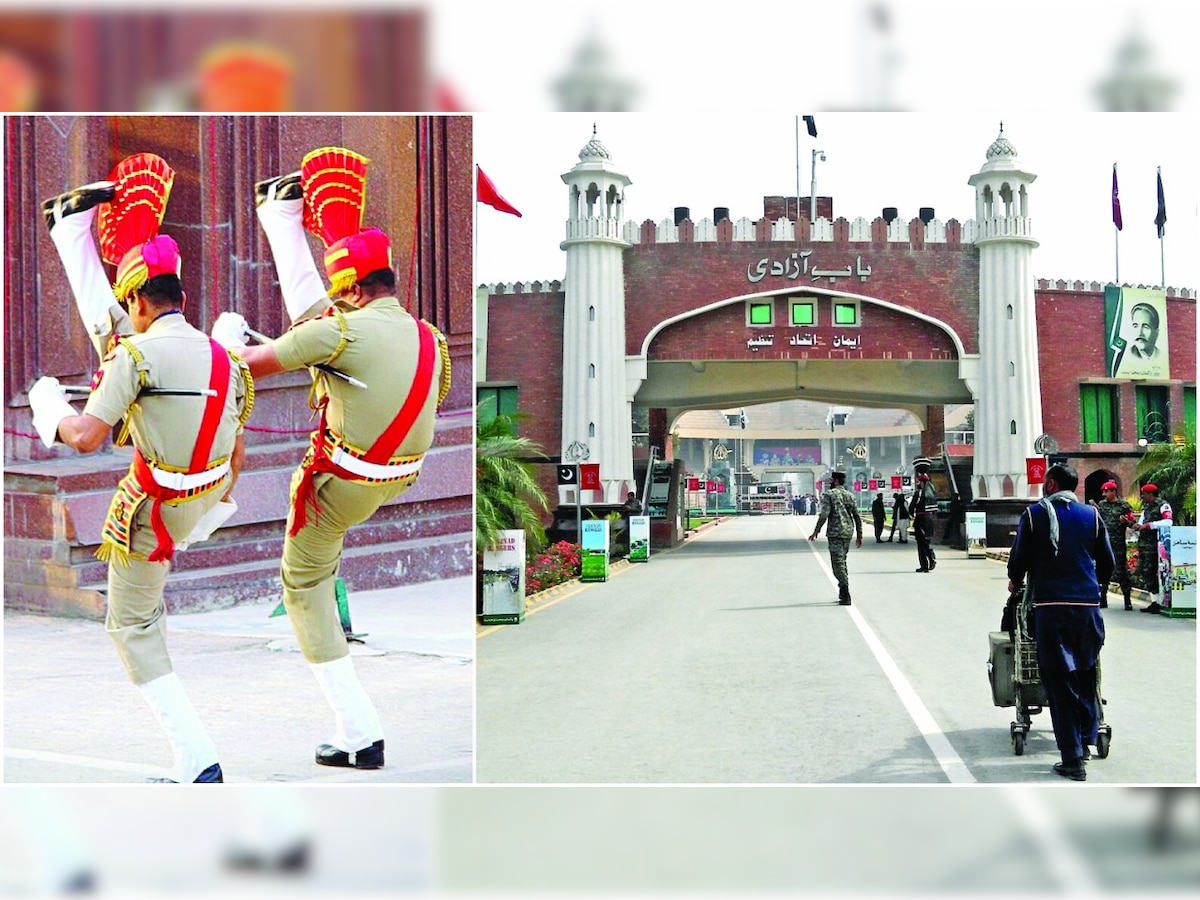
1097 287
916 233
522 287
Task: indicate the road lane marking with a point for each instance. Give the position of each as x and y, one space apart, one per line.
87 762
1065 863
950 762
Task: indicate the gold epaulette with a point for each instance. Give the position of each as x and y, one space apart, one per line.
444 353
142 367
247 382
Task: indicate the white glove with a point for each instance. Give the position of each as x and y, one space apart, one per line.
49 403
209 522
230 330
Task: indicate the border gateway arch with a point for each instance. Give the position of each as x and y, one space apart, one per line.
669 316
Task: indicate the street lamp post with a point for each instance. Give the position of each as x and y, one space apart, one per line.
812 199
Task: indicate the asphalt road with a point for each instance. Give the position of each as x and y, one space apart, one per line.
728 661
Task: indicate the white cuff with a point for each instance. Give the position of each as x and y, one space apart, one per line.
209 522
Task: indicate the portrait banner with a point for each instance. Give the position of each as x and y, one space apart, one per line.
1135 333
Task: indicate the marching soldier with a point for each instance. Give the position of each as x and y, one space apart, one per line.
370 444
183 400
840 509
1118 518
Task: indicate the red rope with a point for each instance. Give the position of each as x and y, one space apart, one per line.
277 430
412 256
212 221
24 434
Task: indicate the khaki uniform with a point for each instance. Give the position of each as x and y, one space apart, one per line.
377 344
169 354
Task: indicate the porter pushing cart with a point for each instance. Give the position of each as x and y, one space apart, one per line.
1015 678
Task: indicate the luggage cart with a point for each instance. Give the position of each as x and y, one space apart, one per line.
1028 694
1017 681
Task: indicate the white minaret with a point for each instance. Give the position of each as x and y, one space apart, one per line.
1008 401
596 411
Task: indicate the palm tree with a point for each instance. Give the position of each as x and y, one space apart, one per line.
506 494
1171 466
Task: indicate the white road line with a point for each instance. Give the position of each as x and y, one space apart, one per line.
1065 863
87 762
951 763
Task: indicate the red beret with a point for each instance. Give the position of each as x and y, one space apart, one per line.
1150 487
1108 486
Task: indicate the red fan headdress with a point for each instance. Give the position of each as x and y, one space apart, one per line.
128 226
334 181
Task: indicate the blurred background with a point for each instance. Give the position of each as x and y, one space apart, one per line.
571 841
667 55
460 56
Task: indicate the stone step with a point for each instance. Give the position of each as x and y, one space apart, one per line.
54 511
364 568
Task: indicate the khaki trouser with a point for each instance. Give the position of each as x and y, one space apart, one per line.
136 618
311 559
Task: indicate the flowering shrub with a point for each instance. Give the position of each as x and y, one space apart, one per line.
554 565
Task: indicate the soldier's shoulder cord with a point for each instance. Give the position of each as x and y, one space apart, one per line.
140 366
444 352
247 382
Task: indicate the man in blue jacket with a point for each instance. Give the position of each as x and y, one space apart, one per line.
1062 546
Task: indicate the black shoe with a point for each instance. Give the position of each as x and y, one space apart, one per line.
77 200
1087 752
211 775
294 859
1152 608
922 570
1104 604
1128 605
367 758
281 187
1076 772
844 602
932 564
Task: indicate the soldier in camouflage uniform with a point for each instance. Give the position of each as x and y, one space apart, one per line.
1156 515
840 509
1118 518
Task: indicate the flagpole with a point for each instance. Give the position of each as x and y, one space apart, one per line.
1160 219
1162 260
797 171
1116 209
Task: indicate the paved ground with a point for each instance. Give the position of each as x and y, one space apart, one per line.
728 661
72 716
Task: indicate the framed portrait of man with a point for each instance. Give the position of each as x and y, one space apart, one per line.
1136 332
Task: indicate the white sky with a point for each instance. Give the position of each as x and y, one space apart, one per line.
873 160
772 55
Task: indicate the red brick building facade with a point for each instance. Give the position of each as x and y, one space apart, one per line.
686 301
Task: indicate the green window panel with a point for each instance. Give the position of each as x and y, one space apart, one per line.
1098 413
